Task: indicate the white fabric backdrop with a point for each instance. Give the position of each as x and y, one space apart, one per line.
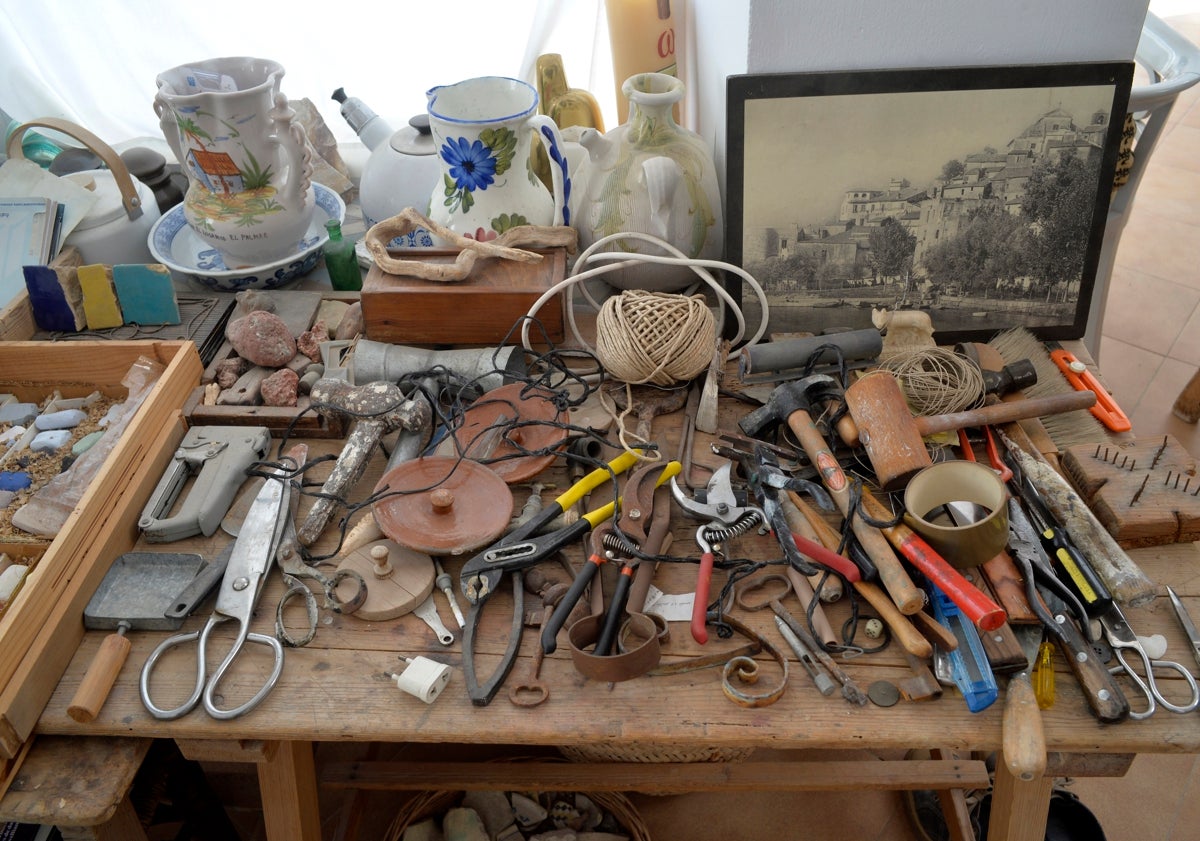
94 63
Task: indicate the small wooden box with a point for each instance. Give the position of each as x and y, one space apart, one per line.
481 310
42 627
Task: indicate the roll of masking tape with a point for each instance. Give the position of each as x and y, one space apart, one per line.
960 508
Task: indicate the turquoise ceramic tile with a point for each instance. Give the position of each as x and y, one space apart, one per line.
146 294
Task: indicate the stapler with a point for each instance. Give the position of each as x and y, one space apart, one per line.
219 455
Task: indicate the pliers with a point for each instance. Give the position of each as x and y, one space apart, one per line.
623 540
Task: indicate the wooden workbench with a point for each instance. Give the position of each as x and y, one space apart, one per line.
335 690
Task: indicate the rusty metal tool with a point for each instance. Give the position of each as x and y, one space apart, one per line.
824 683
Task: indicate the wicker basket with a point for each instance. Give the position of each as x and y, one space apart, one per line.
427 804
605 752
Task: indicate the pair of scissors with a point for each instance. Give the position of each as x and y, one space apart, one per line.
290 559
1185 620
1122 638
249 563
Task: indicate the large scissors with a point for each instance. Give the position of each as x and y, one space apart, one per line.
1122 638
240 588
296 571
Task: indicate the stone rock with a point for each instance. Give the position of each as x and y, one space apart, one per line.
424 831
463 825
493 809
309 342
14 480
251 300
18 413
602 836
64 419
280 388
529 812
229 369
6 497
331 311
12 434
308 381
351 324
50 440
556 835
85 443
263 338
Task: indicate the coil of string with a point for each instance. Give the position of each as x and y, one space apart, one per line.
655 337
937 381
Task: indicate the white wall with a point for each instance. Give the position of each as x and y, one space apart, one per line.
775 36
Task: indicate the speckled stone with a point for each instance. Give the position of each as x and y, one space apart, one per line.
229 369
65 419
309 342
49 441
280 388
263 338
351 324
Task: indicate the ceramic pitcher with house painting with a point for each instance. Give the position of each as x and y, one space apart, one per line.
483 131
250 193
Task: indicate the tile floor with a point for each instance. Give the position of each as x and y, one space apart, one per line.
1149 350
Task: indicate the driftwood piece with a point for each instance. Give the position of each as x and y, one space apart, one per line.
507 246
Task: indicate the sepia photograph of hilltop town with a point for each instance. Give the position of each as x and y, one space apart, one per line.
982 207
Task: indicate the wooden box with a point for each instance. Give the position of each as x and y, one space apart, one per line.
484 309
43 624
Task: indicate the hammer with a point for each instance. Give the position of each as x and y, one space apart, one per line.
791 403
892 437
380 408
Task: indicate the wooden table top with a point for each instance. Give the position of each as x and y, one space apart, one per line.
336 689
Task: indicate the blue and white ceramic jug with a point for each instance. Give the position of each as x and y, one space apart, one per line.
482 130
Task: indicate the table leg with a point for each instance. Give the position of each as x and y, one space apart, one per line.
1019 809
288 784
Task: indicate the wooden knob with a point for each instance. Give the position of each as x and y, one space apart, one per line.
383 567
442 500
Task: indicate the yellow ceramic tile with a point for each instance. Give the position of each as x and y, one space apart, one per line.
99 298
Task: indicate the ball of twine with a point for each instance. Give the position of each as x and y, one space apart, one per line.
655 337
937 381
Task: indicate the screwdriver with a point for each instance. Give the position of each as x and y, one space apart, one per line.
1043 676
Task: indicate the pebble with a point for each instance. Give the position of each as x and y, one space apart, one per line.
309 342
463 825
351 324
14 480
228 370
426 830
6 498
308 381
66 464
250 300
64 419
9 579
49 441
18 413
281 388
85 443
13 433
263 338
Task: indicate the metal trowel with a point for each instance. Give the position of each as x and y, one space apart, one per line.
150 591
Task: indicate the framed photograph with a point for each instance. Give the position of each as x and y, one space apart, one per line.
976 194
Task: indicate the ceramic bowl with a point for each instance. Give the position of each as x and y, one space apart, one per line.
175 245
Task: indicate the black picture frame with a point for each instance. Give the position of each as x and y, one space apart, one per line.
996 180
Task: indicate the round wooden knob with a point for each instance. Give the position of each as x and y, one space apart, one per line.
379 555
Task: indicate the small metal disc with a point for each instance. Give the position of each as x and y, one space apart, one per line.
443 506
505 422
883 693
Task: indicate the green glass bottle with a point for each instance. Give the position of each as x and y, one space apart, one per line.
341 261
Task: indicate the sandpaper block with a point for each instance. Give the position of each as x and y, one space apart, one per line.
55 298
100 304
146 293
1144 495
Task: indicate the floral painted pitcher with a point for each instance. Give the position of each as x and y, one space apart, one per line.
250 193
481 129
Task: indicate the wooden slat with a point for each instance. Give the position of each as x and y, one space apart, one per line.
658 778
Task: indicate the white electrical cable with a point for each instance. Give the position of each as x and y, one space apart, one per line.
609 263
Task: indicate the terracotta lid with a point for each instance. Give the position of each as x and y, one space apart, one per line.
443 506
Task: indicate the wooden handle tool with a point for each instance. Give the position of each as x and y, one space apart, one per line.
101 675
902 629
1022 736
